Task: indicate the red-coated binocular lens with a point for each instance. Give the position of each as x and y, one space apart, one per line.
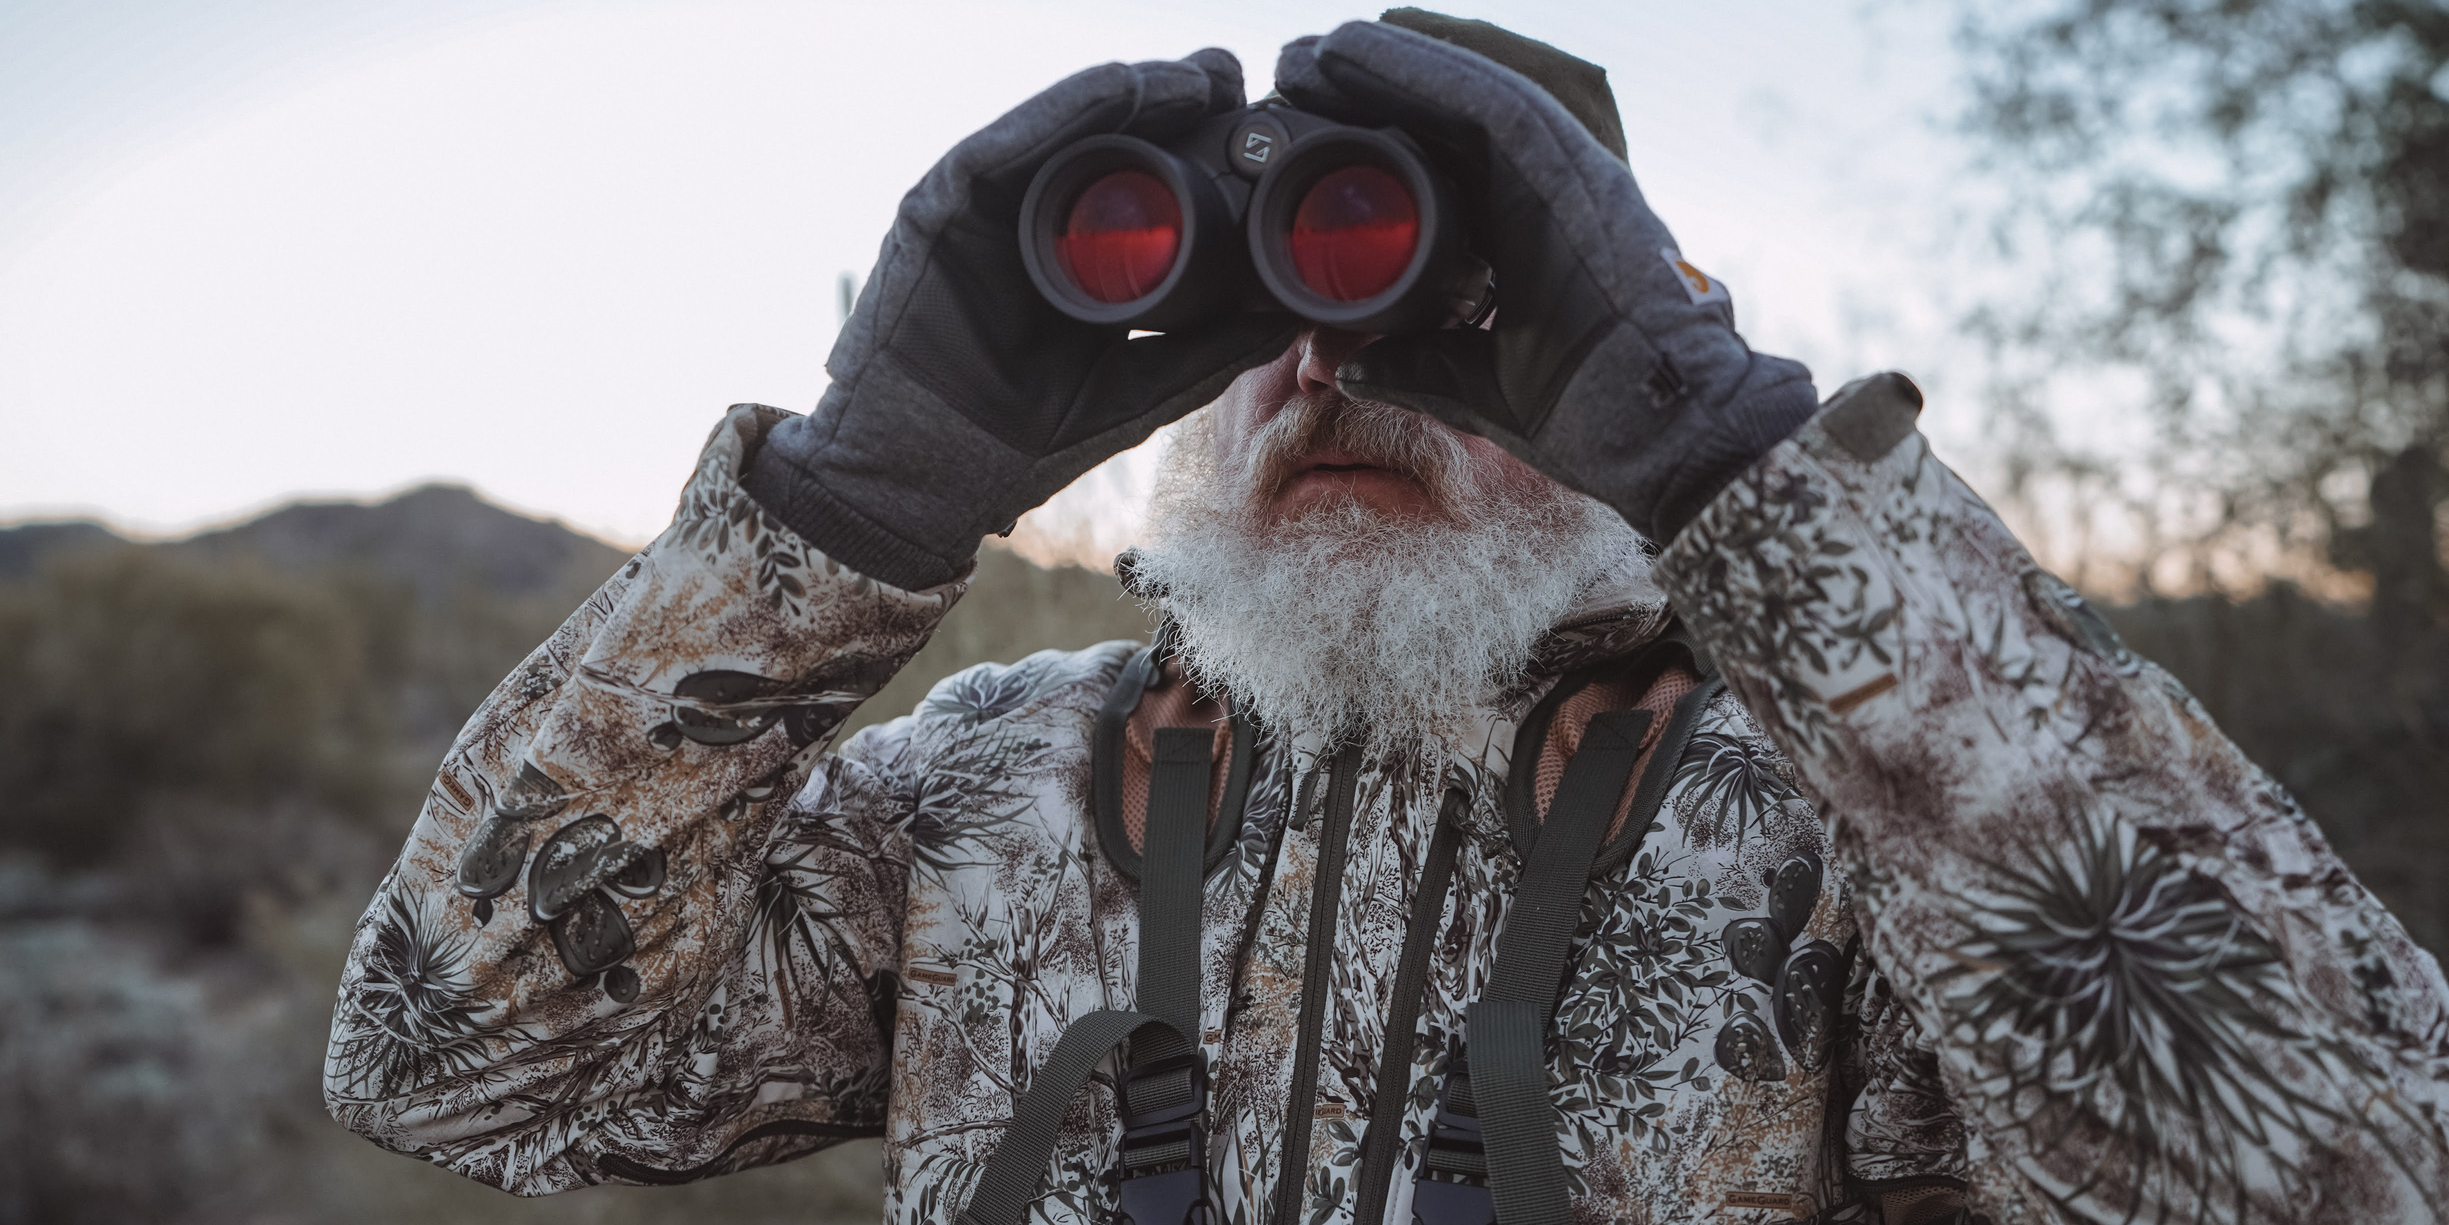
1354 233
1121 237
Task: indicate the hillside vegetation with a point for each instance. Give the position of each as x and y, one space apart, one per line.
209 751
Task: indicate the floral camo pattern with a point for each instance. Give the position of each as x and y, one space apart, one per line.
2150 989
653 925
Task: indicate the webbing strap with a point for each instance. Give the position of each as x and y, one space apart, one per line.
1507 1026
1169 882
1163 1074
1381 1143
1012 1178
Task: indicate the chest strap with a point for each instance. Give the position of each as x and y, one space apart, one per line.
1492 1153
1163 1095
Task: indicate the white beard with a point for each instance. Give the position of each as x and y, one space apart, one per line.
1345 621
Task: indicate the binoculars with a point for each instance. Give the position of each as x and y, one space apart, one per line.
1263 208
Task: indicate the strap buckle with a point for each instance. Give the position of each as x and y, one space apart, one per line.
1452 1187
1163 1162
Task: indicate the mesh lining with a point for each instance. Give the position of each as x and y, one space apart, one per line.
1573 717
1921 1205
1171 706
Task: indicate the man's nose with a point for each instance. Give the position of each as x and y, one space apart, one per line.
1322 350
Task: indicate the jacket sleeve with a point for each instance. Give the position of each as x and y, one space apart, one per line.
2149 985
646 929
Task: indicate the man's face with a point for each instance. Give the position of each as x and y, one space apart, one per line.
1356 568
1311 466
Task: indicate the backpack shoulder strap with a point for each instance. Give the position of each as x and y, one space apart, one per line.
1492 1153
1507 1026
1164 1087
1142 673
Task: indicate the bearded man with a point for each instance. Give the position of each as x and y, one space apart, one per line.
1454 856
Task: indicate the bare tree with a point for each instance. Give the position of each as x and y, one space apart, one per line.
2242 211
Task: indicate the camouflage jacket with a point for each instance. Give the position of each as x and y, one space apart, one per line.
652 925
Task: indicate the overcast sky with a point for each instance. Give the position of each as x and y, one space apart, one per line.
258 249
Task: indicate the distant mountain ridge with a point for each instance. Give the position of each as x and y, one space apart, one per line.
23 547
436 539
495 583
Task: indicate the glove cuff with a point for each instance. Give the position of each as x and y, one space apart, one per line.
1747 430
792 489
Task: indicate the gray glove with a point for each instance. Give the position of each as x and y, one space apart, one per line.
1610 367
960 398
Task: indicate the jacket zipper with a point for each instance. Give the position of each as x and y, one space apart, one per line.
1381 1145
1326 897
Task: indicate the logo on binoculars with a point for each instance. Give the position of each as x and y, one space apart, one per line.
1256 145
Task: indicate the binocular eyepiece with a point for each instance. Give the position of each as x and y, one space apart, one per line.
1263 208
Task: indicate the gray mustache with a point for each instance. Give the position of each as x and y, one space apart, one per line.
1397 439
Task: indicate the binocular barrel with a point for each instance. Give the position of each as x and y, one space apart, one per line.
1264 208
